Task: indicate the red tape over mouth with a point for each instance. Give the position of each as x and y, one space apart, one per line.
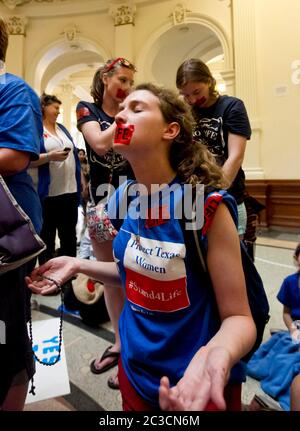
201 101
121 94
123 134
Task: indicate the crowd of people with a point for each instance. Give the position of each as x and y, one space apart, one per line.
178 345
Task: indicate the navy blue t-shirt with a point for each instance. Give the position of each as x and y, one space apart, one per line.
289 294
212 126
21 129
101 167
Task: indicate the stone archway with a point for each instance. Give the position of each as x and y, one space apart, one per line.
62 55
198 36
66 67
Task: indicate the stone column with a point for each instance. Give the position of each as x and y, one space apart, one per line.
229 79
15 51
246 87
66 97
124 15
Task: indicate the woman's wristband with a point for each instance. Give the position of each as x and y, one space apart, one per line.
47 158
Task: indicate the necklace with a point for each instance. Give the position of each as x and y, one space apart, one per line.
137 236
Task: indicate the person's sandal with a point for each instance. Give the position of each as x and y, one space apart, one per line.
263 402
113 382
107 354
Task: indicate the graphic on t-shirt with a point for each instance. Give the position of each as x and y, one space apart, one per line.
210 132
210 208
157 215
82 112
104 124
156 274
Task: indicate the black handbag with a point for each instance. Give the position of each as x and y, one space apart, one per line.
19 242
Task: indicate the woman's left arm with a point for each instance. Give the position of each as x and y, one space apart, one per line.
209 369
236 152
238 331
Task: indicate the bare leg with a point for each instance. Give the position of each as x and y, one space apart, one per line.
295 394
15 398
114 298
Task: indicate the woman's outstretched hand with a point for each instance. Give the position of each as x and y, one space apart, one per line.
203 381
60 269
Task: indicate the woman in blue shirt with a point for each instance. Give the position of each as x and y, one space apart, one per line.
180 340
21 132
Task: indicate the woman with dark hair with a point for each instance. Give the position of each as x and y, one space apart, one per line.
111 84
59 182
221 123
181 341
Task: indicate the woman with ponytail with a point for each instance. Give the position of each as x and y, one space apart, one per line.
111 84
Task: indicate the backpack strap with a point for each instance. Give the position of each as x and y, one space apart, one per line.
213 198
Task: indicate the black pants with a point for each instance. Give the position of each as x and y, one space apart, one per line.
59 213
16 354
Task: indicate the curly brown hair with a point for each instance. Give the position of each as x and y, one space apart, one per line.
189 158
48 99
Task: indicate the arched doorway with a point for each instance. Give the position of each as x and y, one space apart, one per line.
197 37
66 68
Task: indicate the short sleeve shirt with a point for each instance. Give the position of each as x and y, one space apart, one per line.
102 167
21 129
212 126
289 294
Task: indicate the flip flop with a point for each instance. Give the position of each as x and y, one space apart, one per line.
107 354
111 382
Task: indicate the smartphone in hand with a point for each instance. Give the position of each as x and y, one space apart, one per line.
67 149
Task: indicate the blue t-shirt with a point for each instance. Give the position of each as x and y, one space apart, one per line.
289 294
21 129
212 126
169 312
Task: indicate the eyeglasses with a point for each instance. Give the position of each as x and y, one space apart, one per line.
122 61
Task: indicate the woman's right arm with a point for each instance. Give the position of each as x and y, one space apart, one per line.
62 269
99 140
